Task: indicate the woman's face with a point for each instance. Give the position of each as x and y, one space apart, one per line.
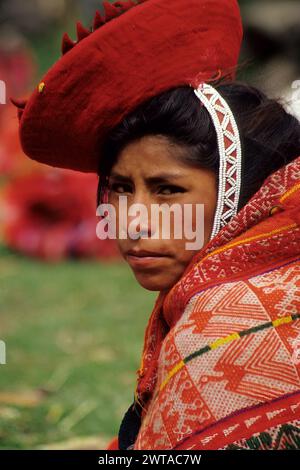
149 171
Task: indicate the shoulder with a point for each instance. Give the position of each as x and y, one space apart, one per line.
232 349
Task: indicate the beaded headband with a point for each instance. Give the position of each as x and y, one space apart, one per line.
230 153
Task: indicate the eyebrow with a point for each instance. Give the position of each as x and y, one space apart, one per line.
159 178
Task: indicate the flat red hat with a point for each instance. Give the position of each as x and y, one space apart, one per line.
135 52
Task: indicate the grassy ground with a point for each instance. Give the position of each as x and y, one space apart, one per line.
74 333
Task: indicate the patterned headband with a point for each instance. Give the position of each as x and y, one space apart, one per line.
230 153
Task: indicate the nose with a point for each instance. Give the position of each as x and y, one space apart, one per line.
140 230
139 220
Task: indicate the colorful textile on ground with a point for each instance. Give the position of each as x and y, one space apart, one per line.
219 349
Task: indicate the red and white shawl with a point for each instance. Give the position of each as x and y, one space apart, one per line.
221 363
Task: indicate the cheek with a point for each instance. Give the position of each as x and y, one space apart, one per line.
202 219
182 255
163 278
194 227
122 245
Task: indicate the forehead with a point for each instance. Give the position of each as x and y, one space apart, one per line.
150 154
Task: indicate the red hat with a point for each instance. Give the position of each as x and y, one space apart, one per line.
136 52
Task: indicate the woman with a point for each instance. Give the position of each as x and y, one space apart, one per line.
165 134
169 124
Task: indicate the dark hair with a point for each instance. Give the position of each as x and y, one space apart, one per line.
270 136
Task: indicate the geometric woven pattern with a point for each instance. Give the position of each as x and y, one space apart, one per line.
233 318
281 437
275 426
256 363
233 375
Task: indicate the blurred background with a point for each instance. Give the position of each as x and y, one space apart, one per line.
72 315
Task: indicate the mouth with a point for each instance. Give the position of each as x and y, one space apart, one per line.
144 258
143 253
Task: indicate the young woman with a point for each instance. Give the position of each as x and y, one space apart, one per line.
169 124
218 295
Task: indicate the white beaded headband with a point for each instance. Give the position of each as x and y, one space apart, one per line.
230 153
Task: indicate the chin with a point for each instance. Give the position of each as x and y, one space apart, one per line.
154 283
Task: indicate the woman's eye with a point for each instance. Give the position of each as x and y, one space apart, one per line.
119 188
171 189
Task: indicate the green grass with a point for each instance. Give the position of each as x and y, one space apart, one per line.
74 334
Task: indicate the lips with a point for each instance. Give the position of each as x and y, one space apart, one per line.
146 260
144 253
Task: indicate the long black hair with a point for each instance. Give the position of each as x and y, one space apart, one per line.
270 136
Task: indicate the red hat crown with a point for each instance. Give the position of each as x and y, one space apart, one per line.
134 52
111 10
